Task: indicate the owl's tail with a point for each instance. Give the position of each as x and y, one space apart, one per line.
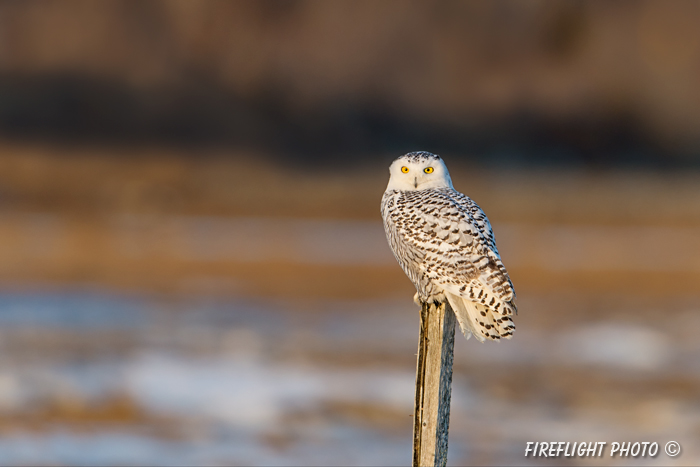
474 318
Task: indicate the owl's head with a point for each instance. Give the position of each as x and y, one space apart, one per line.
418 171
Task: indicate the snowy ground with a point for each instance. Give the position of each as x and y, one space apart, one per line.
93 377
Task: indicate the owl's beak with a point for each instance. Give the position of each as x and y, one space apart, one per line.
415 182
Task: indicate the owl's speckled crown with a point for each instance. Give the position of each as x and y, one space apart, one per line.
420 156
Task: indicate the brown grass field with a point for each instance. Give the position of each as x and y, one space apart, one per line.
593 256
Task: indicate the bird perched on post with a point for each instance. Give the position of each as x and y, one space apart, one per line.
445 245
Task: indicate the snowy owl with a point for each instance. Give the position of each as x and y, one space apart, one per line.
445 245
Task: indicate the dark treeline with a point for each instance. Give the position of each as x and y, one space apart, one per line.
594 84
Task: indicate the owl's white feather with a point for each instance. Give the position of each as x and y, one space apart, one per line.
445 245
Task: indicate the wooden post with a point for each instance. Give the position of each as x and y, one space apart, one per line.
431 416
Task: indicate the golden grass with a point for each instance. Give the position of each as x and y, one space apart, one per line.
79 415
75 215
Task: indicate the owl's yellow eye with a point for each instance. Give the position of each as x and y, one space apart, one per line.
428 170
404 169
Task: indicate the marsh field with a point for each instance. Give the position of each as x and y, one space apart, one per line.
164 307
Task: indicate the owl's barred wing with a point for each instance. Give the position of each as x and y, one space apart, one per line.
479 219
458 250
478 216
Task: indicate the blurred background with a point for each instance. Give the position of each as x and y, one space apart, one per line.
192 264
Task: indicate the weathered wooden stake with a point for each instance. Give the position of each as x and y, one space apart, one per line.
431 416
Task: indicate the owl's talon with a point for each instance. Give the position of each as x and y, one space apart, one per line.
416 300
